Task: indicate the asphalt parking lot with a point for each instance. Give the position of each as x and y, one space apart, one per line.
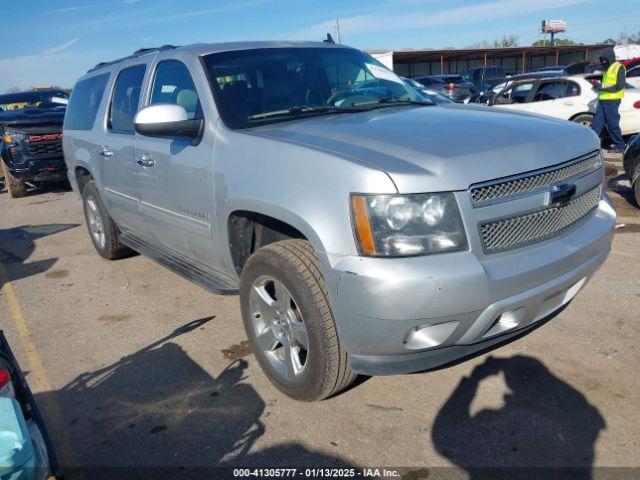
134 366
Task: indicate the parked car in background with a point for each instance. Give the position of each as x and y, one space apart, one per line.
25 448
631 163
633 77
362 234
31 138
485 96
484 78
454 87
570 98
427 93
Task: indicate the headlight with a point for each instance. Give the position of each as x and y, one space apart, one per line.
11 136
406 225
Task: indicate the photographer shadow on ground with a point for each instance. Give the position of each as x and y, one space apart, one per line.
545 428
158 414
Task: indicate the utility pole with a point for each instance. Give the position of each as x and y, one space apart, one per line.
338 31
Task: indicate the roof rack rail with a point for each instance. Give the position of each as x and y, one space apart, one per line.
137 53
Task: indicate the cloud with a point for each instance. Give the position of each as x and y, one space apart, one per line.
43 68
60 48
237 5
95 5
376 22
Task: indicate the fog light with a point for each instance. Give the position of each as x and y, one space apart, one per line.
431 336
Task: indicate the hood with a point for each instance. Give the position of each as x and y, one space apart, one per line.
440 148
32 117
609 54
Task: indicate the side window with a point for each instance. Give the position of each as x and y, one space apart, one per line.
550 91
124 101
172 83
573 89
516 94
84 102
634 73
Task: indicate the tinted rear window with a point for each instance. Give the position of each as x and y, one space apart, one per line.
84 103
124 102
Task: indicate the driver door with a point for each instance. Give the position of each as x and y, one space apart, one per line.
176 174
515 96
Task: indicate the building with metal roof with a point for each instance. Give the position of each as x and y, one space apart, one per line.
412 63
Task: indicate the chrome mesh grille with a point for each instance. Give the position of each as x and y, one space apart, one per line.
535 227
501 190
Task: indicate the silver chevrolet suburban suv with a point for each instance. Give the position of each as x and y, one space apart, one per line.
365 229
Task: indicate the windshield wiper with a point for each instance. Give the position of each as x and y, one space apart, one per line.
395 101
302 109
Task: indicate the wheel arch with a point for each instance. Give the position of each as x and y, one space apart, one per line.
576 115
82 176
250 227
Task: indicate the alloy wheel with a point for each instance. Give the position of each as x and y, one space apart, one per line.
278 326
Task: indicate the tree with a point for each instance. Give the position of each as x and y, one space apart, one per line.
481 45
624 37
506 41
559 42
14 89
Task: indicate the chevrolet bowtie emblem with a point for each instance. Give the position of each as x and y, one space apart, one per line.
560 195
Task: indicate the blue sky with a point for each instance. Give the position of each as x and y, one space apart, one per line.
55 42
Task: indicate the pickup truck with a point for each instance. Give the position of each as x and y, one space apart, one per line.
31 139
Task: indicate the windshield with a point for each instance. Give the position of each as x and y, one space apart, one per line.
256 87
42 99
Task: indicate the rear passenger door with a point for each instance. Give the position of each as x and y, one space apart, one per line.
177 197
118 167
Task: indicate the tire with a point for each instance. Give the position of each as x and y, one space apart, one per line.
636 190
102 229
291 268
585 119
16 187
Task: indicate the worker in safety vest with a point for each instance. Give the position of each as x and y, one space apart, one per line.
610 94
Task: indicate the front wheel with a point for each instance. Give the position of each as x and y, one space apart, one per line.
584 119
289 322
17 188
636 190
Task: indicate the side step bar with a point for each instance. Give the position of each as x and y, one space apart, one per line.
210 279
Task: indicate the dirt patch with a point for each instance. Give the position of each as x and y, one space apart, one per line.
234 352
57 274
109 318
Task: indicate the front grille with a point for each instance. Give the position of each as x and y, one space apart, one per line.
506 188
51 148
535 227
15 154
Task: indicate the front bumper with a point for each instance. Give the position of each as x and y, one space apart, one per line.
406 315
41 170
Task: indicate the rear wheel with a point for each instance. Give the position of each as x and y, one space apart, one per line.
636 190
16 187
585 119
288 319
102 228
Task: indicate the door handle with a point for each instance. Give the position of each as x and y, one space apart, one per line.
569 103
145 161
105 152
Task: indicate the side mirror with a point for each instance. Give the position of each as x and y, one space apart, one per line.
167 121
